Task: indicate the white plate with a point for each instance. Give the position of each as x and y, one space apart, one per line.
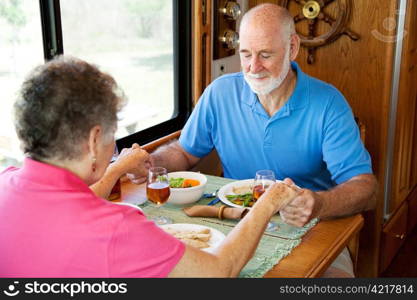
128 204
228 190
216 236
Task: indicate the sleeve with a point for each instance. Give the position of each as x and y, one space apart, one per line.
139 248
196 136
343 150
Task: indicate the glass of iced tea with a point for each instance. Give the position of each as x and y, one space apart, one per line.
157 191
263 179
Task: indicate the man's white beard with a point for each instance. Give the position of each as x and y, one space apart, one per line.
271 83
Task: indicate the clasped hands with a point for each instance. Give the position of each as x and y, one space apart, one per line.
135 163
304 207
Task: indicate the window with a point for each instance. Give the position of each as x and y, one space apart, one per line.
20 51
144 44
133 41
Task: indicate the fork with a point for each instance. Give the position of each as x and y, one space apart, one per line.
210 195
214 201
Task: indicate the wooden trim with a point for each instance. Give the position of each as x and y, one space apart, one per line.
152 146
394 234
340 243
319 247
202 40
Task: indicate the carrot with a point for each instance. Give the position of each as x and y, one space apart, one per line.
190 183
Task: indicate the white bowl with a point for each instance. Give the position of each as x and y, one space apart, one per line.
187 195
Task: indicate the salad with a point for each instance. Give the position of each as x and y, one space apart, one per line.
182 182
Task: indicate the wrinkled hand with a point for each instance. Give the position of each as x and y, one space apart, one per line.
139 175
302 208
133 160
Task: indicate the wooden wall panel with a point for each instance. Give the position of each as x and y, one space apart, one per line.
362 71
403 181
414 156
202 45
405 175
253 3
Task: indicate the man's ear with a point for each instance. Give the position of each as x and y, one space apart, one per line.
294 46
94 139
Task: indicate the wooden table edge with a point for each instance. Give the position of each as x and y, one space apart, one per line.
353 227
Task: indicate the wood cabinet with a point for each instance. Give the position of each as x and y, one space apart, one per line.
393 236
412 210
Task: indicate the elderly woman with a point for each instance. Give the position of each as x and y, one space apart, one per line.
54 225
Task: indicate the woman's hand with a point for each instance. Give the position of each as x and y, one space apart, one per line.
302 208
132 160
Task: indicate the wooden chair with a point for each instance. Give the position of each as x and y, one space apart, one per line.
209 164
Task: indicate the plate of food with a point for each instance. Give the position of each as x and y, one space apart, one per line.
238 193
128 204
199 236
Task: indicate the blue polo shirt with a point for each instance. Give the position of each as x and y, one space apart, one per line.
313 139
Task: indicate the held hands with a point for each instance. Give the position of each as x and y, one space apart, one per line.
139 175
279 195
133 160
304 207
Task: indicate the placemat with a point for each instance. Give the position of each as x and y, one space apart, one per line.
272 247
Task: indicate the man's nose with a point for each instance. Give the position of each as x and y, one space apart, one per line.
255 64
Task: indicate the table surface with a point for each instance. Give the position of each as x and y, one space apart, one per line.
319 246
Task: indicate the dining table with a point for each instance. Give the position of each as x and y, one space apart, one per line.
291 252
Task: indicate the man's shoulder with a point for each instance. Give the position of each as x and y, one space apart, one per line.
321 87
321 92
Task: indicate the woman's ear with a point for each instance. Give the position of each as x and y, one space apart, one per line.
94 140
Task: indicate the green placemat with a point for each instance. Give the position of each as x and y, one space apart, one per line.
273 245
284 230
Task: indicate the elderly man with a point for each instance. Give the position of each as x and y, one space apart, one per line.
273 116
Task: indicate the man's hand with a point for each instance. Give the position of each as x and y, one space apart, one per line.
133 160
353 196
302 208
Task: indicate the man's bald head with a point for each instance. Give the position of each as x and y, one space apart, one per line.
271 16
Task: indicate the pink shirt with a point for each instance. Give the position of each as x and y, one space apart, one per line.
52 225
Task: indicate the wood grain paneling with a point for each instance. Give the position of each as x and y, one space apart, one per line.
393 236
412 210
362 71
414 156
411 69
403 178
202 45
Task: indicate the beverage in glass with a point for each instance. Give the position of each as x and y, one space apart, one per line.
263 179
157 191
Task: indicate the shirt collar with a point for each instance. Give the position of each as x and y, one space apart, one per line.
298 99
50 175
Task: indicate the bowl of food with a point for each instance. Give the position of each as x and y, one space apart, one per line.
186 187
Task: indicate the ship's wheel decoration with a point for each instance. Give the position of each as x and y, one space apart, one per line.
313 12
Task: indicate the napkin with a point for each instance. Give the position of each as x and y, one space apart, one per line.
221 212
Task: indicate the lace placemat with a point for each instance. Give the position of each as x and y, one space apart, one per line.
272 248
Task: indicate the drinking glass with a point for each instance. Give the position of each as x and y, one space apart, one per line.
157 191
263 179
